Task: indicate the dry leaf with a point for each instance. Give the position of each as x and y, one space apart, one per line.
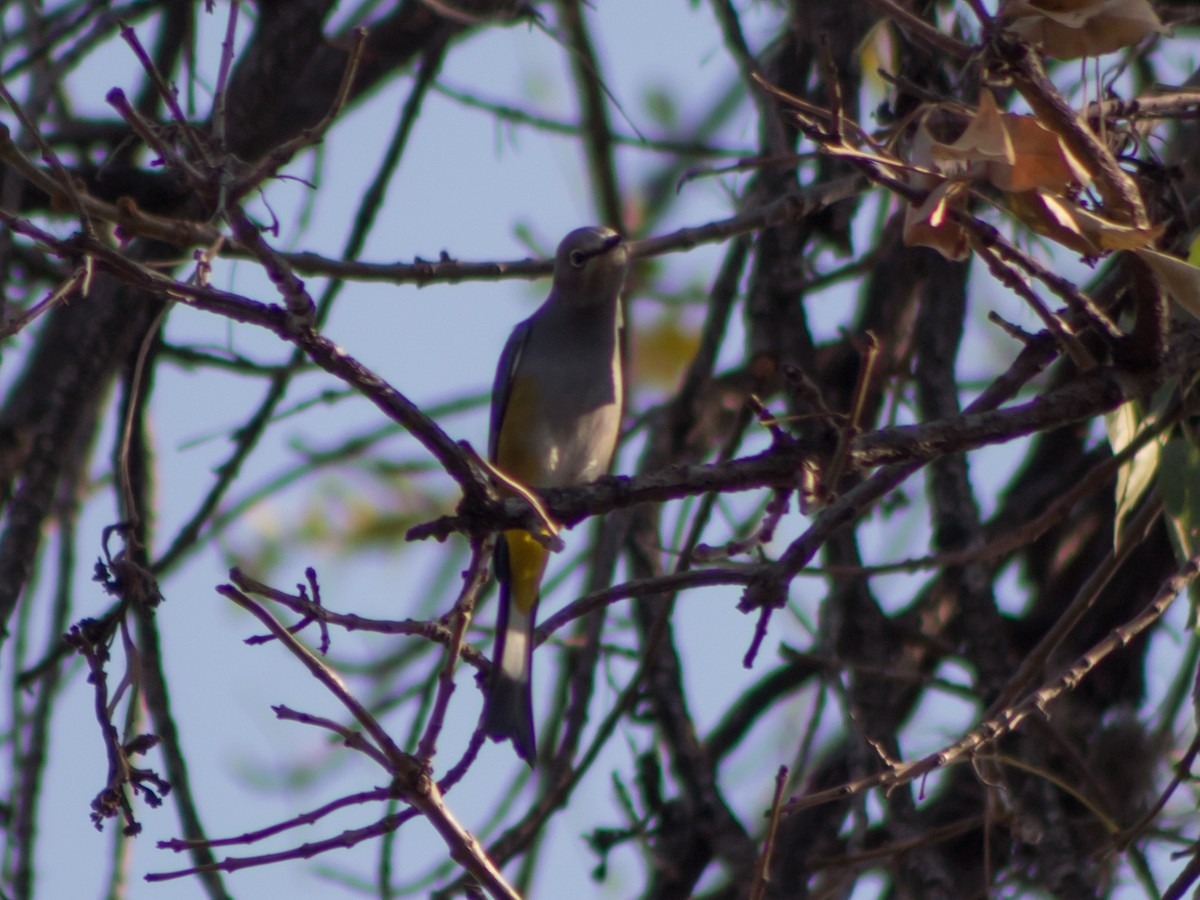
1069 29
1050 216
1019 156
984 140
1079 229
1040 160
1113 235
1013 152
929 224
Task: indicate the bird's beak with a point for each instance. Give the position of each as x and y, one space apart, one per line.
610 242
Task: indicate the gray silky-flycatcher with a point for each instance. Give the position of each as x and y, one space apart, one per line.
556 413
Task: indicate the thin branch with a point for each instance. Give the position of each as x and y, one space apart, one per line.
410 776
1008 719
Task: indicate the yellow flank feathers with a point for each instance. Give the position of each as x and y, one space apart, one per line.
516 451
517 458
527 563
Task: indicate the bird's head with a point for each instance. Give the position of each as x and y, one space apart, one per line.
590 265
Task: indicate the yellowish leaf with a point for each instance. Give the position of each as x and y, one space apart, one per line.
1194 251
877 53
1180 279
662 350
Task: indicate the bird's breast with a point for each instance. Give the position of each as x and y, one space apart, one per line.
562 418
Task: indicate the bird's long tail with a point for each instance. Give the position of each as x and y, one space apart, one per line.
520 563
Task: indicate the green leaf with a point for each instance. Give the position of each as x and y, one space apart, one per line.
1136 475
660 105
1179 484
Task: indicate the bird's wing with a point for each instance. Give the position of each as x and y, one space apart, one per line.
510 358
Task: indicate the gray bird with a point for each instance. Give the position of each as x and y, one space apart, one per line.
556 413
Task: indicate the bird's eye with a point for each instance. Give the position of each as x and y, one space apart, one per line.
576 257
